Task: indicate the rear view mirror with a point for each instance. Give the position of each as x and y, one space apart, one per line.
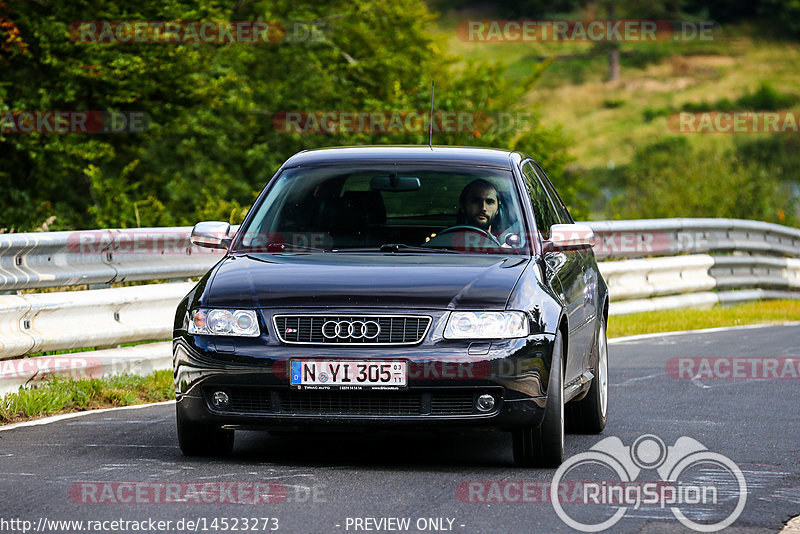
569 237
394 183
211 234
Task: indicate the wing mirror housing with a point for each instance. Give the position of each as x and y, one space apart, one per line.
565 237
211 234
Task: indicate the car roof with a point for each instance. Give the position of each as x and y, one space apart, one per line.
491 157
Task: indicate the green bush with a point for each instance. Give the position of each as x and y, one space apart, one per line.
784 14
671 179
643 56
576 71
652 113
780 153
764 98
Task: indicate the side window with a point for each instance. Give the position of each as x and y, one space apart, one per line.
561 209
543 210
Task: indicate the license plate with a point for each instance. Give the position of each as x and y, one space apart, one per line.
348 374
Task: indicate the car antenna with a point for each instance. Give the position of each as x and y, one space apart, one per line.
430 131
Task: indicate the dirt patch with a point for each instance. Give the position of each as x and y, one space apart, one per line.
711 61
657 86
699 66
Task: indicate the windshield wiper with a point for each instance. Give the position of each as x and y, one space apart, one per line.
395 247
402 247
283 247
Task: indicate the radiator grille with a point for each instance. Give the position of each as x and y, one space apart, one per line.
260 400
250 400
454 403
352 329
351 403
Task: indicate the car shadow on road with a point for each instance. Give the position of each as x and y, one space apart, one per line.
383 449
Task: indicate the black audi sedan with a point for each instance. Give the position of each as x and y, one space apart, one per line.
397 287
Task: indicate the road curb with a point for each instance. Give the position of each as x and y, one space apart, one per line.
639 337
72 415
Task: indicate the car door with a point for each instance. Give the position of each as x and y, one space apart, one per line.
591 274
568 266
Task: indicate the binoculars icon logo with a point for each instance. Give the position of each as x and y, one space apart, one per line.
719 486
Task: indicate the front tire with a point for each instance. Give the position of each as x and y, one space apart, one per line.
589 415
198 439
543 445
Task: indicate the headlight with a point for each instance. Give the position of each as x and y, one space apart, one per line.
486 325
224 323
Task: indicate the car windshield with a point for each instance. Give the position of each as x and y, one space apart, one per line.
389 208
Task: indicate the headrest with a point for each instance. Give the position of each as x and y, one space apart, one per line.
367 202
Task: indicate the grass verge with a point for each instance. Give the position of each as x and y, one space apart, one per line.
62 395
765 312
655 79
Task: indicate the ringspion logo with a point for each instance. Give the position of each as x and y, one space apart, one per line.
704 490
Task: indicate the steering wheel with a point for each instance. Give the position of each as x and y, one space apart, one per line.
468 228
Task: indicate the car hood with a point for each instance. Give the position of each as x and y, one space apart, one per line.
439 281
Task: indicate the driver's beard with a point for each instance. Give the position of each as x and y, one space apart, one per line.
484 226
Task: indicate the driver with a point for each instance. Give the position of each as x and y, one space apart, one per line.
478 205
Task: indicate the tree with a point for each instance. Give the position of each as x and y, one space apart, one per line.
212 144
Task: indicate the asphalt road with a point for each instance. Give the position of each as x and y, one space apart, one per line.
325 483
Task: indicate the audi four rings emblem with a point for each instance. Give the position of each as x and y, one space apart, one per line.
351 329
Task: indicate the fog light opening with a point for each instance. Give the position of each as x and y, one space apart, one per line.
220 400
485 403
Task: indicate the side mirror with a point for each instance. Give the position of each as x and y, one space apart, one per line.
569 237
211 234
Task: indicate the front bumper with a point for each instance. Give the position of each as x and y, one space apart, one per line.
444 380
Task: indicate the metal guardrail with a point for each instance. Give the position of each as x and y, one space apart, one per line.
687 258
671 237
642 284
643 278
655 264
66 320
61 259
